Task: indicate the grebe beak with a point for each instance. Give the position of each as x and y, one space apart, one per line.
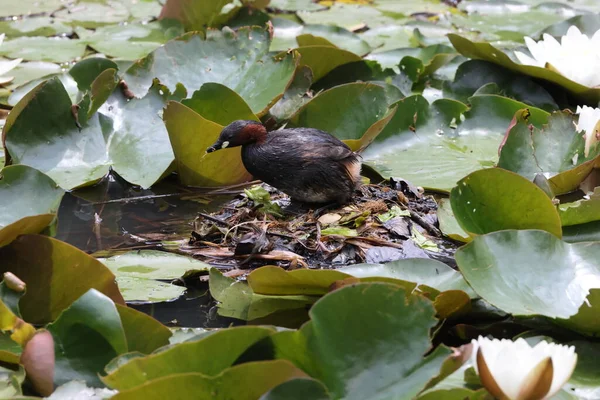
211 149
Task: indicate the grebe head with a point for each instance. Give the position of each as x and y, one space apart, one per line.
239 133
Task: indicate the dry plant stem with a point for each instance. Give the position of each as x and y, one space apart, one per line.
426 225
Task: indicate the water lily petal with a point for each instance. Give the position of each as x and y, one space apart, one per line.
526 60
589 118
5 79
6 66
2 38
487 380
538 381
564 360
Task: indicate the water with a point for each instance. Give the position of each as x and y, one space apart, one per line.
114 217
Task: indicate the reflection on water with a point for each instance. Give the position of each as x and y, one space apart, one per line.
114 217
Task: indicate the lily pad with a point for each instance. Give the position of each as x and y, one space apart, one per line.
426 273
87 335
324 59
191 134
448 223
86 71
43 49
473 74
436 145
486 51
210 356
298 389
390 358
495 199
54 267
237 300
127 135
29 7
152 264
14 206
237 60
242 382
194 15
69 156
92 14
270 280
38 26
581 211
333 36
141 290
347 112
556 151
530 272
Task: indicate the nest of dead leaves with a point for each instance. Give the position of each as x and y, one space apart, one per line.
385 222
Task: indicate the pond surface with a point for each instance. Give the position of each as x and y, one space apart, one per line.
113 217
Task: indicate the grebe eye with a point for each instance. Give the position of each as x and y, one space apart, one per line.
225 144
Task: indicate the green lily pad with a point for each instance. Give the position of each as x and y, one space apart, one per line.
243 382
295 5
43 49
194 15
86 71
333 36
586 320
388 37
486 51
436 145
581 211
416 63
132 41
144 334
142 290
87 335
390 357
57 152
127 135
298 389
473 74
37 26
138 146
426 273
530 272
210 356
347 112
54 267
448 223
556 151
495 199
323 59
152 264
588 24
17 201
14 8
194 165
270 280
92 14
237 60
348 16
237 300
67 81
28 71
294 96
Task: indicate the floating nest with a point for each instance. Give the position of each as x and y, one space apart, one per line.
384 222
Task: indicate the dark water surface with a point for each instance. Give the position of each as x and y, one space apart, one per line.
113 217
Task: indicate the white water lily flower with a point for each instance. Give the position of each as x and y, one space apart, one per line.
513 370
589 122
6 66
576 57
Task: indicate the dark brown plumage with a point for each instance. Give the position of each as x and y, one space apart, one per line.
308 164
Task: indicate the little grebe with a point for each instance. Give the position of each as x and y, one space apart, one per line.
307 164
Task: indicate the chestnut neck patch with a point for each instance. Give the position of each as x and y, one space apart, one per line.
253 133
